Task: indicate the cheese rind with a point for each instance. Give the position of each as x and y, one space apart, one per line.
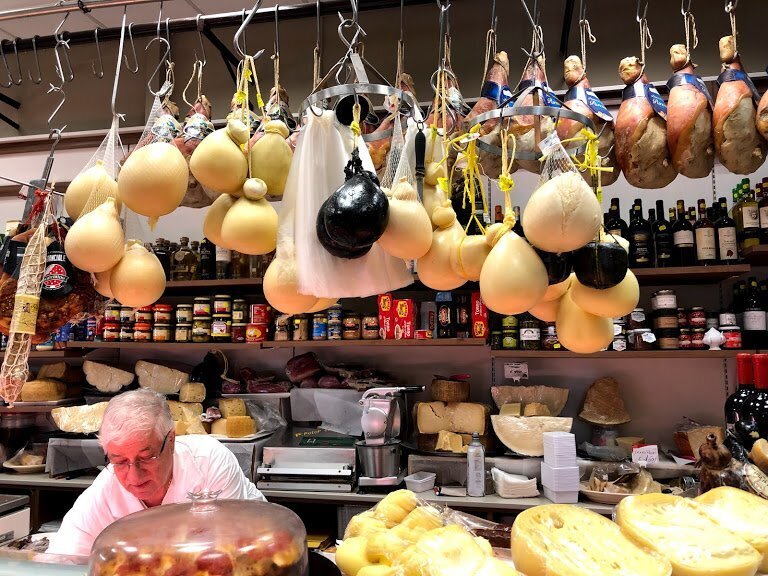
79 419
45 390
525 435
511 409
198 427
60 371
232 407
459 417
185 411
680 530
563 540
162 379
449 442
106 378
234 426
192 392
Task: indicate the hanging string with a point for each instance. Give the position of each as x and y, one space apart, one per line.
473 182
247 74
731 9
506 184
490 52
690 32
646 41
585 32
592 160
355 125
170 80
276 72
197 73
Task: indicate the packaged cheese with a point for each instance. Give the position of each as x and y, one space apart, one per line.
458 417
680 530
742 513
536 409
185 411
563 540
232 407
79 419
44 390
511 409
106 378
163 379
234 426
192 392
525 435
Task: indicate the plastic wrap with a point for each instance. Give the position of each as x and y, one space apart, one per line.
79 419
405 536
525 435
553 398
267 417
162 378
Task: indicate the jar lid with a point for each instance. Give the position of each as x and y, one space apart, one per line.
163 307
700 330
731 328
143 326
685 330
126 308
223 296
697 308
239 300
145 309
639 310
113 306
162 325
183 325
203 318
223 316
202 299
239 324
320 315
640 330
680 309
663 292
183 306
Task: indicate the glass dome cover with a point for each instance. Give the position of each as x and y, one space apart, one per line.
206 537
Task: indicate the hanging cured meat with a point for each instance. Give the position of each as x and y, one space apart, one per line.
379 147
739 146
762 116
197 125
689 118
580 98
641 131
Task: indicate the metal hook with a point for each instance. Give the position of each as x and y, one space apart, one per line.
135 68
163 60
159 20
60 42
730 5
583 10
39 78
18 64
7 68
242 50
444 8
200 27
100 72
317 23
638 17
684 9
536 30
277 31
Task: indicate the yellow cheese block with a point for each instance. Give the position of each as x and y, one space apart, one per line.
743 513
511 409
185 410
44 390
536 409
680 530
564 540
198 427
458 417
234 426
181 427
192 392
449 442
232 407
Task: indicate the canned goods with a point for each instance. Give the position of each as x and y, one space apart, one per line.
259 314
112 313
335 313
370 330
111 331
222 304
301 327
697 339
183 332
255 333
732 335
664 300
335 330
127 314
144 315
238 332
320 326
202 307
239 310
697 318
184 314
163 313
161 333
201 329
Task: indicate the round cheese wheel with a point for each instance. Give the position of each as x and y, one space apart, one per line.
579 331
546 311
612 302
563 214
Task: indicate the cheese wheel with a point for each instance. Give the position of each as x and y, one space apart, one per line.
579 331
612 302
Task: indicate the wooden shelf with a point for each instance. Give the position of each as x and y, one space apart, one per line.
175 286
469 342
50 354
688 274
627 355
757 255
166 345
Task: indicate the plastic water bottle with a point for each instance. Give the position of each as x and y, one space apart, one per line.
475 467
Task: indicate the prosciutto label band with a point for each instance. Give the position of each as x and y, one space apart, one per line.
642 90
680 78
501 94
549 98
736 75
590 99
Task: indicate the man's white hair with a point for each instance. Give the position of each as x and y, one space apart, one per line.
135 413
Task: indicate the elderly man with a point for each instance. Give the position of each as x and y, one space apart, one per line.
147 466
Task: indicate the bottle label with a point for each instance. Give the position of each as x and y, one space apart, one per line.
640 249
727 319
223 254
615 231
705 244
750 216
529 334
764 217
683 238
754 320
728 247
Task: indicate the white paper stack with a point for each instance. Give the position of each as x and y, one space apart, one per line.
513 485
559 471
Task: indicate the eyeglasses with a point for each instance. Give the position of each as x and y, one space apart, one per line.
122 467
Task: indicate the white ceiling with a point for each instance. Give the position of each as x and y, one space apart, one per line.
27 27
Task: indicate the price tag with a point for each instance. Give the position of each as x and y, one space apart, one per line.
645 455
516 371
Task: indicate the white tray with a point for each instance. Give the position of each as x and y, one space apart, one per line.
249 438
29 469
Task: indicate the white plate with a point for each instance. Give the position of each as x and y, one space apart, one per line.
249 438
603 497
30 469
64 402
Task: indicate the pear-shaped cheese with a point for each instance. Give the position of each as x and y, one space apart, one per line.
612 302
579 331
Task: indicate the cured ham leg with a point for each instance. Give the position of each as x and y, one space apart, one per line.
576 100
689 119
197 125
738 144
379 149
640 133
762 116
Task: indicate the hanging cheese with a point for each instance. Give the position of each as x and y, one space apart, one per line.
281 288
250 225
322 304
580 331
469 256
562 215
153 180
556 291
138 279
94 180
408 234
219 162
434 267
271 156
95 243
102 283
513 278
613 302
214 218
546 311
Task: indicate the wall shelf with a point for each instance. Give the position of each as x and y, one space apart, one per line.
50 354
172 346
628 355
757 255
179 286
682 275
467 342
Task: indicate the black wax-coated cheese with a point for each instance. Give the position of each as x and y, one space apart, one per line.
559 266
333 247
601 265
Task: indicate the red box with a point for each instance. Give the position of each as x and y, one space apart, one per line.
479 317
405 319
386 317
423 334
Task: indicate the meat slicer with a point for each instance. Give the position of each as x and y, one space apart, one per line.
379 453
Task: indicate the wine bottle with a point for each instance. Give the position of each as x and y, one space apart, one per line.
762 205
498 214
727 245
640 248
739 294
614 224
736 404
662 238
207 260
750 219
757 406
684 248
753 333
706 246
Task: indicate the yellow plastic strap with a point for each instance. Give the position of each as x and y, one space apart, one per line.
592 160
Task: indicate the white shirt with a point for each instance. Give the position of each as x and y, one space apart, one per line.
199 463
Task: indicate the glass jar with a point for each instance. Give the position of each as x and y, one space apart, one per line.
184 314
510 333
223 537
163 313
619 343
144 315
301 327
112 313
549 339
335 330
127 314
239 311
697 339
697 318
370 328
221 328
142 332
686 343
183 333
637 319
222 304
282 327
682 318
664 300
619 326
161 333
320 326
732 335
665 319
352 328
530 333
642 339
712 321
238 332
201 329
668 339
126 332
202 307
335 313
111 331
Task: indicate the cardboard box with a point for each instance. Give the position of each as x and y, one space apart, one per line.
405 319
428 321
479 317
386 317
